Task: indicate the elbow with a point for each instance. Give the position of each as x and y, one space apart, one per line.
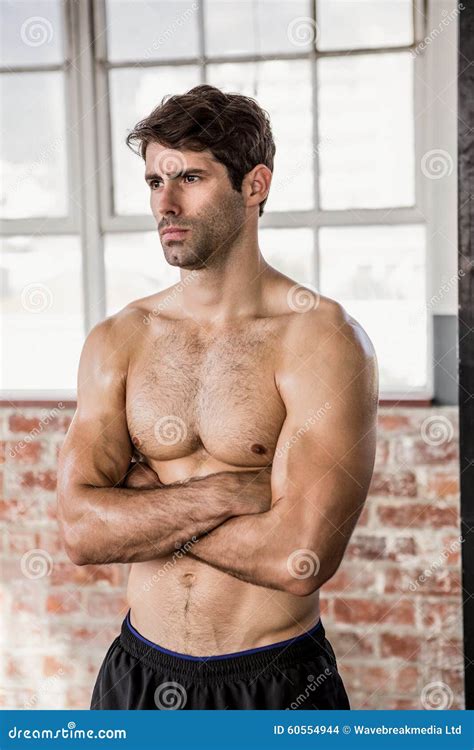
73 545
305 573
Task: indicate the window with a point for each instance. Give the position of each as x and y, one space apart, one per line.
346 208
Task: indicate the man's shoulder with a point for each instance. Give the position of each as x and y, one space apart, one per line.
322 324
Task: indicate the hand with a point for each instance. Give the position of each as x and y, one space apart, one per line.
141 477
254 493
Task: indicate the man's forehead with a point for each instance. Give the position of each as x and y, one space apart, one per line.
159 157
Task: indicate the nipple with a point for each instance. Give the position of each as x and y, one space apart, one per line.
257 448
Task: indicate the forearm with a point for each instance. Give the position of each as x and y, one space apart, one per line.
265 550
248 547
134 525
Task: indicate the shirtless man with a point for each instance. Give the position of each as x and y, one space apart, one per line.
250 403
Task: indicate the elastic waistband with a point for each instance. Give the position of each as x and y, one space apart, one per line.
275 656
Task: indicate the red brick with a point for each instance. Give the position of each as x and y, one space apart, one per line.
350 645
63 602
401 646
394 423
416 452
54 666
422 581
393 484
46 480
442 616
407 680
24 452
102 604
367 547
417 515
25 425
20 510
358 611
350 578
442 485
85 575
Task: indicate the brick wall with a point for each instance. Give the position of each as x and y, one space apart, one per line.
392 611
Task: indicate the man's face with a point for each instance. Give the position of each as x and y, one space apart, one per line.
192 191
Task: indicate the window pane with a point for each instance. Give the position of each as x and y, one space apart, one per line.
366 130
290 251
257 27
31 32
134 94
42 312
152 29
33 147
292 184
351 24
378 274
135 267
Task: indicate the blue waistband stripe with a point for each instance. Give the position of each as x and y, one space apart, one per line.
221 656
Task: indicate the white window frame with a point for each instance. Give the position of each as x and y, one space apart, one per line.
90 169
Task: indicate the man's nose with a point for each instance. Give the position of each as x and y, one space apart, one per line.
168 199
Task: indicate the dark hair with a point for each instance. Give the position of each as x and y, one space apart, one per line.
233 127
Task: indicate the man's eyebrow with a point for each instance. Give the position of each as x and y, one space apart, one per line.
155 176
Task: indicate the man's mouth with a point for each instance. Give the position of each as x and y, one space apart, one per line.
174 233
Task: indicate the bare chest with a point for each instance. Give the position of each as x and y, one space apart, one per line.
190 392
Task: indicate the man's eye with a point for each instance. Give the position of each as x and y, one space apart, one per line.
192 176
153 183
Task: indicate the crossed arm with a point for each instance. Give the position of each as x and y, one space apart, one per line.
321 469
290 535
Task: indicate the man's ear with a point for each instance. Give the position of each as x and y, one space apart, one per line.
257 183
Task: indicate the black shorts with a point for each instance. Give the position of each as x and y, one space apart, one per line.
299 673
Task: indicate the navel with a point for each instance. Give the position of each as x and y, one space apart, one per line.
257 448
